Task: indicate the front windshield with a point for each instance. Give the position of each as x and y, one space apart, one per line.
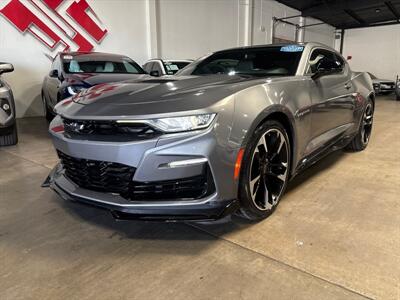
121 66
265 61
174 66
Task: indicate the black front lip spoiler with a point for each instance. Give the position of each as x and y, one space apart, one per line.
198 212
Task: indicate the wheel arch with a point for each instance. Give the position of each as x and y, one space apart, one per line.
283 116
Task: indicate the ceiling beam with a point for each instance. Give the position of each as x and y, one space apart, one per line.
393 9
356 17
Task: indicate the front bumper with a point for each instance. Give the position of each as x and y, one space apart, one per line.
7 116
209 208
379 89
149 159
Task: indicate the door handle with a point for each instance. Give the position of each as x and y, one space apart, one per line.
347 86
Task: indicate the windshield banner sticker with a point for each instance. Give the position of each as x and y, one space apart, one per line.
292 48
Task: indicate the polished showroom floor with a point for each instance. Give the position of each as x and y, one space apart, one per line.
335 235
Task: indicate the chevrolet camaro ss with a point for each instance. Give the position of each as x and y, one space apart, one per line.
224 135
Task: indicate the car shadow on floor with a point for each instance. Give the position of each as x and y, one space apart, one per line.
158 230
133 229
236 223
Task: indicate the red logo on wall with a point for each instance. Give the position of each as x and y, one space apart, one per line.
31 15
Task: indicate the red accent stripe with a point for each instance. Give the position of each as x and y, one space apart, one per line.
59 128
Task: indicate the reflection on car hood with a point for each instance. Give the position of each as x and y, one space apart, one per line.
91 79
155 96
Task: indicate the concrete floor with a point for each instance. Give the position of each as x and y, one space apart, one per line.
335 235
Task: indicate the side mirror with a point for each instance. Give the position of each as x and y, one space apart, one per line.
6 68
53 73
155 73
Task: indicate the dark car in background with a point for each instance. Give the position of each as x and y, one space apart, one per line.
8 126
158 67
382 86
72 72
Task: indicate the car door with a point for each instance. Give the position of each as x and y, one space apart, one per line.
332 98
53 81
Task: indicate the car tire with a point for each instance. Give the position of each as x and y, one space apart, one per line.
397 97
361 140
47 113
11 138
266 157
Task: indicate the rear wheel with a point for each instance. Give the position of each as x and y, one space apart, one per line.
11 138
265 171
361 140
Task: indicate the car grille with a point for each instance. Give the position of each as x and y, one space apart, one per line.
190 188
97 175
110 177
108 130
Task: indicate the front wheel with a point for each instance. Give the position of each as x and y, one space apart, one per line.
361 140
265 171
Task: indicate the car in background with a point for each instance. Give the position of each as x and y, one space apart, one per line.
8 126
227 132
382 86
72 72
397 88
159 67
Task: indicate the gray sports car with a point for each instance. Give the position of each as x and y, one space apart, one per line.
8 126
225 134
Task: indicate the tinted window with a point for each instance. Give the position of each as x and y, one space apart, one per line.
87 65
268 61
171 67
324 59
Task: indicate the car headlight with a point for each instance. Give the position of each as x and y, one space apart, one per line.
75 89
178 124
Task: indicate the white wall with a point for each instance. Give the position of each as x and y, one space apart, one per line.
374 49
143 29
124 20
265 10
191 28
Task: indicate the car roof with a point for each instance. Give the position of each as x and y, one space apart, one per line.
309 44
93 55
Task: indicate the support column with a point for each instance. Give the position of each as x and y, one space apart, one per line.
300 30
341 41
152 24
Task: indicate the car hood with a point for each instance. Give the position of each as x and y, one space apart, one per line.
91 79
154 96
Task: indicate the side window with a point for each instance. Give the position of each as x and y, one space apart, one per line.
324 59
340 61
